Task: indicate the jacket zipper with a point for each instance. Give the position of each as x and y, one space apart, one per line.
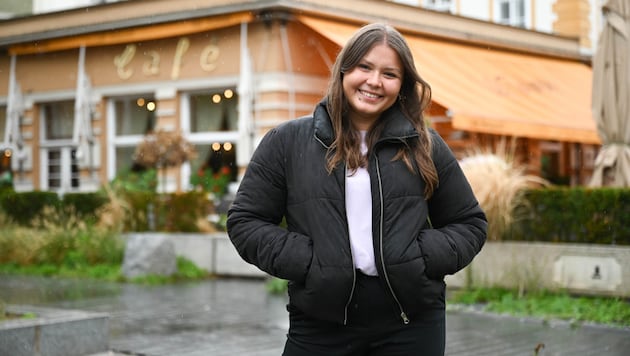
403 315
354 272
345 310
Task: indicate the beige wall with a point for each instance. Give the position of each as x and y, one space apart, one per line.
573 20
560 266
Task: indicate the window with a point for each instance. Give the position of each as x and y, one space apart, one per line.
132 117
511 12
218 157
210 122
63 170
60 166
439 5
59 120
216 111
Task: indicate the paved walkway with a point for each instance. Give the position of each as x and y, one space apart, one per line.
238 317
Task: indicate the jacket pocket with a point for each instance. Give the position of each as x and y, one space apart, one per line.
413 288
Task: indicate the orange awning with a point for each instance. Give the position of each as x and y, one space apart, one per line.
498 92
133 34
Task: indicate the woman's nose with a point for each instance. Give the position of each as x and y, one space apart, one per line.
374 79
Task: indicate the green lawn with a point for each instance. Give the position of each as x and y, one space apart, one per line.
547 305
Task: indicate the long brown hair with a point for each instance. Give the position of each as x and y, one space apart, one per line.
414 97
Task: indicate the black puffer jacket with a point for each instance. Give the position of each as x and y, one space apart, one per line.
287 177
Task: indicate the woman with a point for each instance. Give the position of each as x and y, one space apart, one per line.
377 209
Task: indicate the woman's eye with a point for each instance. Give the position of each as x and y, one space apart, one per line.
363 66
390 75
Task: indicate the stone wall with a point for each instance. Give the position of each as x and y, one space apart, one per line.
581 268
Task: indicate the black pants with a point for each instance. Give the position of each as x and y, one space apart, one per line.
374 329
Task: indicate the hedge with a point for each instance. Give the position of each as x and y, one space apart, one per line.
146 211
575 215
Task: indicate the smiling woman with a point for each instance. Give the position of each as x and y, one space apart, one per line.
355 182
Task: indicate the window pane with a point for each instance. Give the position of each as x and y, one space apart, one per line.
58 166
135 115
217 111
505 11
218 157
440 5
59 120
520 9
54 169
75 175
124 158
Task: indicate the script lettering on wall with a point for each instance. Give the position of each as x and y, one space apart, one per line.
152 65
208 59
122 60
209 56
182 46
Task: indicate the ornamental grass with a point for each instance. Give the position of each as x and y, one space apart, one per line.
499 183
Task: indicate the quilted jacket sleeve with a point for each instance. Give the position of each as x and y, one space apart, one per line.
258 209
459 224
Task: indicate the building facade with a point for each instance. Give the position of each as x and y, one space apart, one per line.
79 90
575 18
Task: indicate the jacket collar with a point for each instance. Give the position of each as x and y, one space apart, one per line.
397 127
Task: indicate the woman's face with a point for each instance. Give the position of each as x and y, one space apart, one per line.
372 86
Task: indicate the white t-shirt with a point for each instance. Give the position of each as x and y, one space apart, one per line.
359 212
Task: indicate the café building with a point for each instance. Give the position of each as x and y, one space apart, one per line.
80 89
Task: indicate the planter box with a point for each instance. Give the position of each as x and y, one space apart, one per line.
212 252
53 332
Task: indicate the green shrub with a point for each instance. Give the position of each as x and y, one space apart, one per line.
136 181
60 245
119 210
576 215
277 285
142 207
173 212
182 211
23 207
85 205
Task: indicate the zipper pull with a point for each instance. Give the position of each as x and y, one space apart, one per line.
404 318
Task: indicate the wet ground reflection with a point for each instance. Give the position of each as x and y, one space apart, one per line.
239 317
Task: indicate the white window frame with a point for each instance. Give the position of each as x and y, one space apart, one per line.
66 147
513 18
118 140
439 5
200 138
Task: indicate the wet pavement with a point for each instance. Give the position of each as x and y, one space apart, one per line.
239 317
